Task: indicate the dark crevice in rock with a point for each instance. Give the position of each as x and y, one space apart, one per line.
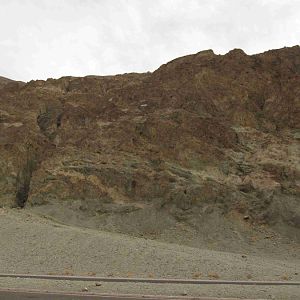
49 120
22 192
44 120
133 184
24 179
58 120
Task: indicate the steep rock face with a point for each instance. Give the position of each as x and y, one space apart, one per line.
203 134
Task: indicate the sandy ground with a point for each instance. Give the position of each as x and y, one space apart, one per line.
32 244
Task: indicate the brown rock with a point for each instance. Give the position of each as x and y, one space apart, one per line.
202 131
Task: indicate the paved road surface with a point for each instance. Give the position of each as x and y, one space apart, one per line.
10 294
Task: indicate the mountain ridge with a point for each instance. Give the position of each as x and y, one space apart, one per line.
203 137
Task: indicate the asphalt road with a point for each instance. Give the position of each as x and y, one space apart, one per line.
10 294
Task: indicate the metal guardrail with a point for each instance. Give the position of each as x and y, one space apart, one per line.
149 280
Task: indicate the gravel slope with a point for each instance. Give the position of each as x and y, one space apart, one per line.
31 244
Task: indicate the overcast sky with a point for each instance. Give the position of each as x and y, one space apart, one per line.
53 38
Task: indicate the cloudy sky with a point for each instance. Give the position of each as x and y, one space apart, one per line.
53 38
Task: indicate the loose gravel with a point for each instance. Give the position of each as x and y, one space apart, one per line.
36 245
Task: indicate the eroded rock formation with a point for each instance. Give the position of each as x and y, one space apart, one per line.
202 134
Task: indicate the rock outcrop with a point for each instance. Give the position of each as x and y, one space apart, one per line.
203 134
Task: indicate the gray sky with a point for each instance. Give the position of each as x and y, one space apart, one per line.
54 38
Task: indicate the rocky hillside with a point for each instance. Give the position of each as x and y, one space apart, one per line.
4 81
203 136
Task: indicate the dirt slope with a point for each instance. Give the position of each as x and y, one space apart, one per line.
34 245
205 139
